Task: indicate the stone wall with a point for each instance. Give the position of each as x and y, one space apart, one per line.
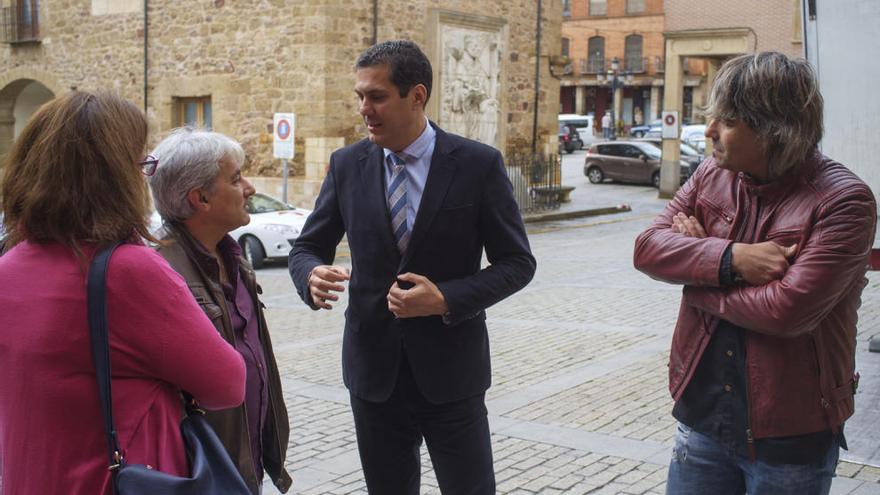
775 23
254 58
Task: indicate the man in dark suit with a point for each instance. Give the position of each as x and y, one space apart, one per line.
418 206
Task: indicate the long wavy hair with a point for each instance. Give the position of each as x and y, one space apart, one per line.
73 177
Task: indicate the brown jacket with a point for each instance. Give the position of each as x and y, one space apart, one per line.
231 424
801 330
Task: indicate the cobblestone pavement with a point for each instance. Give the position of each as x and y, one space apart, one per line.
579 401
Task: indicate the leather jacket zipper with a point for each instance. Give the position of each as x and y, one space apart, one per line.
750 439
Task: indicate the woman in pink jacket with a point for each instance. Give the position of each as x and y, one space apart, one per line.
73 183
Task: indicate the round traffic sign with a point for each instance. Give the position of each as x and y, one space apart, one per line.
283 130
669 119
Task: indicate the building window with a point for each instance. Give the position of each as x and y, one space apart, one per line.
565 45
635 6
20 20
632 56
566 8
195 112
598 7
596 55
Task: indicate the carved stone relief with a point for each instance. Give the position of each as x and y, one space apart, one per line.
470 85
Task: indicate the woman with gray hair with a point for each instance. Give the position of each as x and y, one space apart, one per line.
201 195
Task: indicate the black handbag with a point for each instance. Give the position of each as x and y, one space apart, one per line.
212 470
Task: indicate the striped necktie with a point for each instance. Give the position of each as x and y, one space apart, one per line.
397 201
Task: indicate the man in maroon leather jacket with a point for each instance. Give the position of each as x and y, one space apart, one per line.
771 241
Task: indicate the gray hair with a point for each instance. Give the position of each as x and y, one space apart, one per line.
778 98
188 158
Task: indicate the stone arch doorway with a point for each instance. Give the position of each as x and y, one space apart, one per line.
19 100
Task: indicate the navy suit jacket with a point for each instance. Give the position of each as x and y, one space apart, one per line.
467 206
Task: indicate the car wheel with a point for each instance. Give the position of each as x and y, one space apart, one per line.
595 175
252 251
655 180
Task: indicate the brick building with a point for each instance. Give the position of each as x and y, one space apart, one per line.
595 32
713 31
230 64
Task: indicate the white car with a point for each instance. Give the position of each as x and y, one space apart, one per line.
270 234
273 228
695 135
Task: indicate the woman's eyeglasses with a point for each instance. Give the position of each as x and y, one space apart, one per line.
149 165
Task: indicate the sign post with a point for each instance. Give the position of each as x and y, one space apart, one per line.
284 126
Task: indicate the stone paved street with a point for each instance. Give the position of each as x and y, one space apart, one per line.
579 401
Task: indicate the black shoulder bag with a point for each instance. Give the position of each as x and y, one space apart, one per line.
212 470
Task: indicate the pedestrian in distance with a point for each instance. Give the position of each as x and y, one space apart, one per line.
419 206
74 184
201 195
771 241
606 126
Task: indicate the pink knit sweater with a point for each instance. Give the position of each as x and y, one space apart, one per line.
51 430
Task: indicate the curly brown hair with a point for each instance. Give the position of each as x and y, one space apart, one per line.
72 175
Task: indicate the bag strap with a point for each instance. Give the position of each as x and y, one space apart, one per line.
97 307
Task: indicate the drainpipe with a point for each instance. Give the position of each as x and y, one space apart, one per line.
146 59
537 81
375 21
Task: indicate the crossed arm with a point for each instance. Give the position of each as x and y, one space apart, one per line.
784 290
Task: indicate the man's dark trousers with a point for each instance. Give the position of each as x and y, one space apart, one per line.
456 433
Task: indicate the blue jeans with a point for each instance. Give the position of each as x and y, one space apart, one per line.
702 465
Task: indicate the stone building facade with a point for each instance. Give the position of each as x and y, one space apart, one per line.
232 63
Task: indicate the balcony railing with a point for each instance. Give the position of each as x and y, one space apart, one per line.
592 65
659 65
635 65
20 22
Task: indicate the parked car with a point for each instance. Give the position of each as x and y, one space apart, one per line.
695 135
583 124
641 130
273 228
626 161
688 153
270 234
569 139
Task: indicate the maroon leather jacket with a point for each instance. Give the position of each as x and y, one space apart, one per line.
800 330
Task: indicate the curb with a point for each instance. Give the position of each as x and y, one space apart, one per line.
567 215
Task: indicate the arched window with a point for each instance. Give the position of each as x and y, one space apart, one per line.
632 57
595 55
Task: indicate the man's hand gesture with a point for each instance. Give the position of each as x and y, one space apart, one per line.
324 281
422 299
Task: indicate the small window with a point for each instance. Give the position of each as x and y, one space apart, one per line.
195 112
635 6
631 152
565 44
566 8
598 7
610 150
20 21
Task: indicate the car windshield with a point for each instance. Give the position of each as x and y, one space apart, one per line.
651 150
260 203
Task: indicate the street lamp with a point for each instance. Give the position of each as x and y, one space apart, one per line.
612 74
